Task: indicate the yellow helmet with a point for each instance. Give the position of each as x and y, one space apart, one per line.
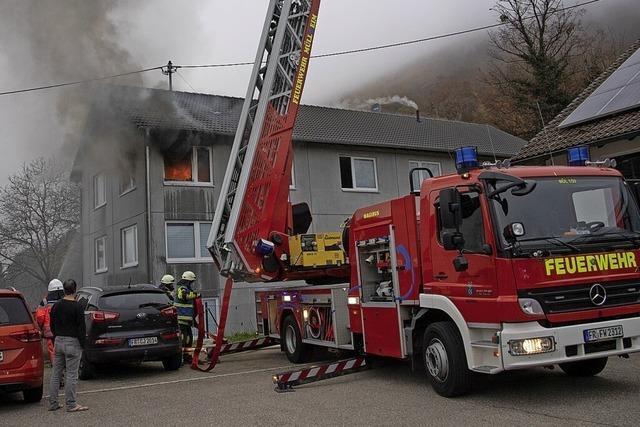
167 279
189 275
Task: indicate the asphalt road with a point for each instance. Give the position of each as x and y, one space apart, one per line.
239 391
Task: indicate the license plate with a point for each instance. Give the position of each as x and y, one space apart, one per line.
1 356
134 342
599 334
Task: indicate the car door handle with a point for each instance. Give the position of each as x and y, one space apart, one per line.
440 276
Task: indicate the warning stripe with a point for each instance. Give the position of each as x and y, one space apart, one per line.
319 371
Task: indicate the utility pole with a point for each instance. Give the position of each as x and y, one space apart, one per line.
168 71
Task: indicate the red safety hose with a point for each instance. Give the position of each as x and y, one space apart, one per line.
224 311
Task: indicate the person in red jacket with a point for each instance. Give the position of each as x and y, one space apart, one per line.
55 292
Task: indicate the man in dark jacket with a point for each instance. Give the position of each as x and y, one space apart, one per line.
68 328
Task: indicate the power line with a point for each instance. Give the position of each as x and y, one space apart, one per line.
77 82
324 55
185 80
390 45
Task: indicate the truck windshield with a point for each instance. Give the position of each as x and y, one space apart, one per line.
568 214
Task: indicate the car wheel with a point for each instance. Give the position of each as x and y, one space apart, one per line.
294 348
32 395
444 359
87 369
172 363
584 368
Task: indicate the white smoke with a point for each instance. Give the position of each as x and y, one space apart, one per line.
358 104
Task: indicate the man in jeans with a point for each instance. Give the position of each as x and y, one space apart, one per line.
67 326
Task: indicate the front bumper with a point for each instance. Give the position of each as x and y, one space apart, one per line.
569 342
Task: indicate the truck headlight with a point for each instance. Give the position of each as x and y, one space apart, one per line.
530 306
353 300
529 346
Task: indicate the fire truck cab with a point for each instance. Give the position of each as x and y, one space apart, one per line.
491 269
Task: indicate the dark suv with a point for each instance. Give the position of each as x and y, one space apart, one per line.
135 323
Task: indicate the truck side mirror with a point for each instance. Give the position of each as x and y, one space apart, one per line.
450 209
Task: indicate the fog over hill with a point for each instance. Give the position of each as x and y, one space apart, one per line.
452 82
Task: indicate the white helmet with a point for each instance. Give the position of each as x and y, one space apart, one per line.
167 279
55 285
189 275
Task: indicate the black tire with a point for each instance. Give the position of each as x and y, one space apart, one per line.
444 360
87 369
172 363
32 395
294 348
584 368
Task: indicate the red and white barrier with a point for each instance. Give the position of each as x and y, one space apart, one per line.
286 380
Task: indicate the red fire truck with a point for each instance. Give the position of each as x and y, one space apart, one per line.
493 268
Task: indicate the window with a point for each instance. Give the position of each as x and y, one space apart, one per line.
187 241
472 227
99 190
130 246
419 176
127 182
101 254
192 166
358 173
134 300
13 312
292 183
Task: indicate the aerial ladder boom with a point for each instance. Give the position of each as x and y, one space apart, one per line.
254 197
253 201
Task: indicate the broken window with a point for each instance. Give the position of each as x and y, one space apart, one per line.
191 166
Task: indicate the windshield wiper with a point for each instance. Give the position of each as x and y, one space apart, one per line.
553 240
632 237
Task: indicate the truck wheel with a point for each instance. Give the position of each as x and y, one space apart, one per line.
584 368
294 348
172 363
444 359
87 369
32 395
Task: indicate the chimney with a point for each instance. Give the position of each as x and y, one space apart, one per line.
418 116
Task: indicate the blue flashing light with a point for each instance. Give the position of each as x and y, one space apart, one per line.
466 158
578 156
264 247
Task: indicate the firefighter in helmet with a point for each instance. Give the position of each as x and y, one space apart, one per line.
166 285
185 304
55 292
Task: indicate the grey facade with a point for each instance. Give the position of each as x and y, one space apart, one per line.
155 204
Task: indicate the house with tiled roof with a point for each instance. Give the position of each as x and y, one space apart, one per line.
151 160
605 117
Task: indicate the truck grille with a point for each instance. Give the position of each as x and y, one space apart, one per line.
561 299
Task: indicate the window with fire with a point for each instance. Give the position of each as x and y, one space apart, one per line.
188 166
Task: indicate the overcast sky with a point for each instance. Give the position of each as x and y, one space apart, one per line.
49 41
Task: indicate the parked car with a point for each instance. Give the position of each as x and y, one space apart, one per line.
134 323
21 359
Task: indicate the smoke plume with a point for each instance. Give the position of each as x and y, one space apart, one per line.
368 104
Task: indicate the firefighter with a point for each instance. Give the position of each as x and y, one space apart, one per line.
55 292
184 303
166 285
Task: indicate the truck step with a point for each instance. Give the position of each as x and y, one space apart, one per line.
487 369
485 344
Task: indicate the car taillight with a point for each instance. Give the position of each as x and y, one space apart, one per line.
27 336
169 336
171 312
104 316
108 341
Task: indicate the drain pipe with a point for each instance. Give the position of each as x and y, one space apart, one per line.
148 203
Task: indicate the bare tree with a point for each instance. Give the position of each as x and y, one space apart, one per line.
38 209
533 54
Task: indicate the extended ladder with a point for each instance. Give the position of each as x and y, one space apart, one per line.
253 199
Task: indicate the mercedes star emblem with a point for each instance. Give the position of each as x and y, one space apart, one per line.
598 294
144 315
